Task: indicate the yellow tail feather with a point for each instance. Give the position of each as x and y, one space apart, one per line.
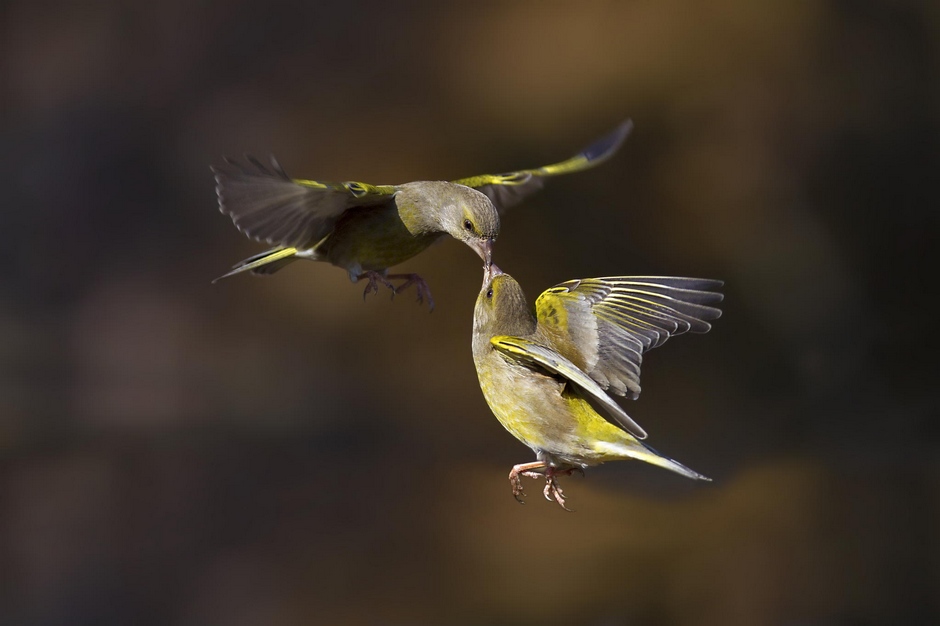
264 263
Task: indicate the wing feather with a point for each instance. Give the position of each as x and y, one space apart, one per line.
531 353
506 190
605 325
269 206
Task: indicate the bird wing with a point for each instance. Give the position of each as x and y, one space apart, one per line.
269 206
506 190
604 325
530 354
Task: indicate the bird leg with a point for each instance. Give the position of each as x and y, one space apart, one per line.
420 286
530 470
374 279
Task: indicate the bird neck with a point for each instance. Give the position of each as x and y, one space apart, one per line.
501 309
516 321
521 324
414 212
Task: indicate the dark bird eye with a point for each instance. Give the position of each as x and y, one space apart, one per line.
468 225
489 293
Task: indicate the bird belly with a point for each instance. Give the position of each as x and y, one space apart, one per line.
540 411
519 403
372 239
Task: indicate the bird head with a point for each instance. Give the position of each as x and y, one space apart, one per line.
473 220
501 307
464 213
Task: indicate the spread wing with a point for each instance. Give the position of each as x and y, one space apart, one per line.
506 190
531 353
269 206
604 325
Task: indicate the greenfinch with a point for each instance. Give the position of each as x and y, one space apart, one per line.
366 229
546 375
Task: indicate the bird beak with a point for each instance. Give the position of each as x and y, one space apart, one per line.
493 271
484 247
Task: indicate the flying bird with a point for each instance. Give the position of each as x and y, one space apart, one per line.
366 229
546 376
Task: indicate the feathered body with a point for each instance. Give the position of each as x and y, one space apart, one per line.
546 374
378 237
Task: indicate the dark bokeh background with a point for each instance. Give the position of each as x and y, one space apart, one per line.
278 451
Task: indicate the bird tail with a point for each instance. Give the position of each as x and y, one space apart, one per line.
262 264
640 451
650 455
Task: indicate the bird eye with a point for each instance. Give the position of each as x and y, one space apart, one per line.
489 293
468 225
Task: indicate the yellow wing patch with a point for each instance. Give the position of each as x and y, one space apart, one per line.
531 353
355 188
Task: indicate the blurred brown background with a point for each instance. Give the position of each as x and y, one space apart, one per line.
277 451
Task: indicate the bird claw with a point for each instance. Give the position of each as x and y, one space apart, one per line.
372 286
552 491
515 478
516 482
424 292
374 278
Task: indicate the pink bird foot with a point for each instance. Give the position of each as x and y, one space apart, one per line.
529 470
537 469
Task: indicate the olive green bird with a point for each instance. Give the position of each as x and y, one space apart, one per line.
366 229
546 375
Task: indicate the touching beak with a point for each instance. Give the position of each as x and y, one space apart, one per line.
484 248
493 270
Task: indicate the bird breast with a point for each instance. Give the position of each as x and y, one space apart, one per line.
525 402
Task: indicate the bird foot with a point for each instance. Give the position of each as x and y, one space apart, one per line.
529 470
553 490
374 279
537 469
424 292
